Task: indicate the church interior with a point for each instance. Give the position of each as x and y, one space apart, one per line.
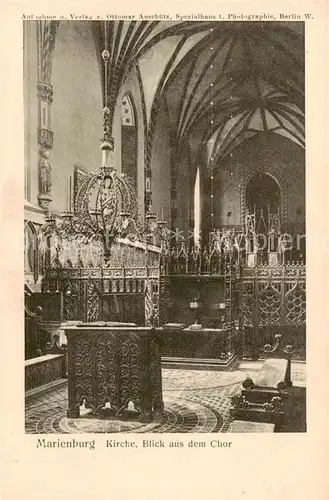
164 219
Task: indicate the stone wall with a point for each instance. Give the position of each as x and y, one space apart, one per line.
272 154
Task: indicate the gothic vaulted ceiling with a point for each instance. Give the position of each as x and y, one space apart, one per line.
221 83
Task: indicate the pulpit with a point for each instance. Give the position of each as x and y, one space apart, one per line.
114 371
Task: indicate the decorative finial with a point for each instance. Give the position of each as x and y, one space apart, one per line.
106 56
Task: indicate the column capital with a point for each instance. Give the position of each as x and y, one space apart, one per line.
44 201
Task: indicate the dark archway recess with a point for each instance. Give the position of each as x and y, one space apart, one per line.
263 196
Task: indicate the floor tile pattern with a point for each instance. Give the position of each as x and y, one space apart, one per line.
195 401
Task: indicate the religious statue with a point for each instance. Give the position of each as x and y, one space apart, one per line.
45 172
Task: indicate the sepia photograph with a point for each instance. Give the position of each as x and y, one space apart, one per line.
164 228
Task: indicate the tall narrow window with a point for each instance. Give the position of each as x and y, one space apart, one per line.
197 208
129 140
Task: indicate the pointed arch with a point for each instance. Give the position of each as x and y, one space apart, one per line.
275 173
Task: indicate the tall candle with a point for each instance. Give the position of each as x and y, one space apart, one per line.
197 209
65 193
70 193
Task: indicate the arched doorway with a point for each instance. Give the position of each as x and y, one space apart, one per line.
263 196
263 201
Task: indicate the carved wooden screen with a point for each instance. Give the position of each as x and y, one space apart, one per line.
125 290
295 303
273 300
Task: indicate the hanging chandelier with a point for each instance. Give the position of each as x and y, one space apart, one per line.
106 207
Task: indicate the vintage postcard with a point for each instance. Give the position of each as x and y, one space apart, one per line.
164 251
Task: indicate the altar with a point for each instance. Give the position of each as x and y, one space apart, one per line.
113 371
204 347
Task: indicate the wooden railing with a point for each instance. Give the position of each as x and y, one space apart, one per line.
43 370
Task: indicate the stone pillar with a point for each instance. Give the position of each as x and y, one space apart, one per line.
46 36
45 142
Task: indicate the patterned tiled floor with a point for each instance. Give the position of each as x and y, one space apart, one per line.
195 401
